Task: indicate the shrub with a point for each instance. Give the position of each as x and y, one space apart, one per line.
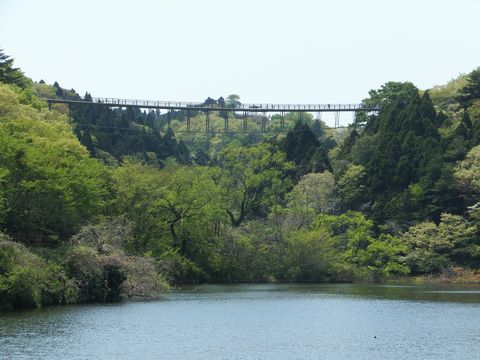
85 267
178 268
109 277
310 256
108 235
114 275
432 247
27 281
21 287
142 278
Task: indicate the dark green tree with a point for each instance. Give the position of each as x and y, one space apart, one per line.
317 129
471 91
233 101
10 74
201 158
404 173
303 148
183 154
209 102
86 140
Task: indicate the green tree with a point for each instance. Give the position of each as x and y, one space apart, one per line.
51 185
310 256
363 255
303 148
3 199
467 175
435 247
137 187
190 202
401 147
10 74
388 93
233 101
468 170
201 158
315 193
471 91
221 101
183 154
383 257
352 186
254 179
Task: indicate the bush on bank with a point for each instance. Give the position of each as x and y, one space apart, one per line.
27 280
81 275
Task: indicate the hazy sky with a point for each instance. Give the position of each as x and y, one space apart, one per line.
295 51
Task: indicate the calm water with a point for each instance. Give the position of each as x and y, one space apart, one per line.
258 322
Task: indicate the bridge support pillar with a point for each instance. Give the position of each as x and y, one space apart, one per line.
188 121
337 119
169 119
207 121
264 123
282 120
226 121
245 126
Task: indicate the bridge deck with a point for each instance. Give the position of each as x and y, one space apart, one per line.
257 107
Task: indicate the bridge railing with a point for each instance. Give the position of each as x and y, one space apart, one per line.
238 107
247 107
136 102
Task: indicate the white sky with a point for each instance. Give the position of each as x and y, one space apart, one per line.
266 51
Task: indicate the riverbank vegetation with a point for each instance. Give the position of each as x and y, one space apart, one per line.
100 204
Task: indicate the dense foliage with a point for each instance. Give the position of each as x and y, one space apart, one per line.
101 204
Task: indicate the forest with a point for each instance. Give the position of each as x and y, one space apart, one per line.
100 204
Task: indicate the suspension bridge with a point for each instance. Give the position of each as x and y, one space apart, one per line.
263 109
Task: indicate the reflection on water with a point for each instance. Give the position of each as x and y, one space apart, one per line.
261 321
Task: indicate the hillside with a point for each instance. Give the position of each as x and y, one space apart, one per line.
100 204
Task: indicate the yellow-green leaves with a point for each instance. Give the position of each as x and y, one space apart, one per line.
255 178
50 184
468 170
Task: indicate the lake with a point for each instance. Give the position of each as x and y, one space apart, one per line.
260 321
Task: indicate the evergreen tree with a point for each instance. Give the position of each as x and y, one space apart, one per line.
183 154
302 146
58 90
404 173
348 143
201 158
221 101
10 74
475 140
209 102
317 129
169 143
86 141
471 91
